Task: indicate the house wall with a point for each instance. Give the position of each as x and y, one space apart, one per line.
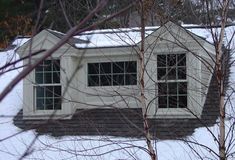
104 96
29 106
173 39
193 81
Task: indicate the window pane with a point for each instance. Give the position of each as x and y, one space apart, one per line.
56 77
39 78
172 101
172 88
49 104
181 73
130 67
93 68
105 68
182 101
57 103
93 80
57 91
48 77
40 92
49 91
105 80
56 65
162 102
171 59
118 67
182 88
39 67
161 60
47 65
171 73
118 79
181 59
161 72
130 79
39 104
162 89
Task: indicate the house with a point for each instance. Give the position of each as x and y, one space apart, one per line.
95 75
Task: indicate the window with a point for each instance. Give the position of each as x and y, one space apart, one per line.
112 73
172 83
48 89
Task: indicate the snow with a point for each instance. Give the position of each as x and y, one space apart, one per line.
20 41
110 39
14 141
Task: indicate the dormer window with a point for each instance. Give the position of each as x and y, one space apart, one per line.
171 81
112 73
48 87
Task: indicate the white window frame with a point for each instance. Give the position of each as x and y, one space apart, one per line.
47 85
176 80
112 74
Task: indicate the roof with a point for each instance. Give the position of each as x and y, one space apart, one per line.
72 41
123 37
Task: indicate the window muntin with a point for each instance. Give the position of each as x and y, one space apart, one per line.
48 89
172 83
112 73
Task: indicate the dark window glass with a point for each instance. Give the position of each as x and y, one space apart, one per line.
161 60
130 67
130 79
118 79
162 102
172 101
162 89
56 65
105 68
93 81
118 67
57 91
182 88
112 73
172 88
48 65
46 74
47 77
39 78
105 80
57 103
40 92
182 101
93 68
56 77
161 73
49 91
170 69
171 73
181 60
49 104
40 103
171 60
181 73
39 68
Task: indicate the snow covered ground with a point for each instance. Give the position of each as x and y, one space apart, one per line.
14 143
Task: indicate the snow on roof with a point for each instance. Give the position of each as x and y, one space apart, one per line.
123 37
131 36
110 38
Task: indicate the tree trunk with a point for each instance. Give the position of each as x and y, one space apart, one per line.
142 85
